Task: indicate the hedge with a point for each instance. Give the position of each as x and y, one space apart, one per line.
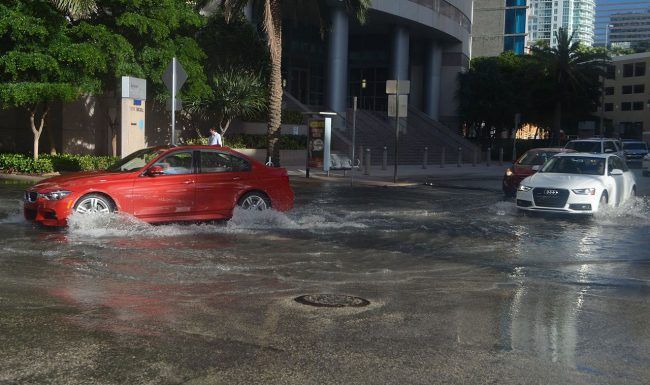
50 163
287 142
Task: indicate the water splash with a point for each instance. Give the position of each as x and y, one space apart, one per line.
633 211
503 208
11 211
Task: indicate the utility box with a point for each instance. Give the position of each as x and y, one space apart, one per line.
132 107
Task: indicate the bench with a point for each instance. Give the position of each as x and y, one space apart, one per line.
340 162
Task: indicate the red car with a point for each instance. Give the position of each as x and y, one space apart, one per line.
525 166
163 184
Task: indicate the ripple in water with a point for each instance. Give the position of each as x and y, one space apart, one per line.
11 211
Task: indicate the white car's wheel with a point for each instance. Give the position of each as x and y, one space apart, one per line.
603 200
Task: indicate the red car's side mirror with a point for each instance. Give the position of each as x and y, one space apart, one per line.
155 170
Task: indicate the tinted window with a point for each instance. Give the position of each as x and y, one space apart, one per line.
637 106
609 106
609 90
626 106
639 69
610 147
639 88
534 158
628 70
584 146
135 161
616 163
626 90
635 146
176 163
575 165
214 161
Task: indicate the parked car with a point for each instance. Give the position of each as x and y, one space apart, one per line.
635 149
645 165
163 184
527 165
577 183
597 146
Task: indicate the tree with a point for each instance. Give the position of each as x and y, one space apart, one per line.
572 75
272 25
41 62
234 94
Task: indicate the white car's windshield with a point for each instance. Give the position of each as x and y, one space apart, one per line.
136 161
575 165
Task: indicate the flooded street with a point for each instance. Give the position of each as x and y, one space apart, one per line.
463 289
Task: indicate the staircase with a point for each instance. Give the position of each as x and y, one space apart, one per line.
374 130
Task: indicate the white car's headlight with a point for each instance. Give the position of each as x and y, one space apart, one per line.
54 195
584 191
524 188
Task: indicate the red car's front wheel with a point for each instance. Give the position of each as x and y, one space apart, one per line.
94 204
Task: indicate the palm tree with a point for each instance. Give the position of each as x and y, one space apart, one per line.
76 8
573 73
272 26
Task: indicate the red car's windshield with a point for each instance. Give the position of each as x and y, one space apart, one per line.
136 161
535 158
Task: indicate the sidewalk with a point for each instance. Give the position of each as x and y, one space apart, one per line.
407 174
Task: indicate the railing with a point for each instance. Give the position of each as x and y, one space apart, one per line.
447 9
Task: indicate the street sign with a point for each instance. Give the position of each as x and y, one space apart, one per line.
404 87
134 88
168 104
403 106
168 76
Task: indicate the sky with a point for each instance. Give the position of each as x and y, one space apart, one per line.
604 8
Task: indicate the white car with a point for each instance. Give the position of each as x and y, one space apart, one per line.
577 183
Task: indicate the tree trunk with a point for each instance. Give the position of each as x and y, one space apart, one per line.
273 27
557 122
113 140
37 131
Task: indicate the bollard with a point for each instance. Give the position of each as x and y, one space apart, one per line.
425 157
367 171
460 156
442 157
488 155
474 158
384 159
501 156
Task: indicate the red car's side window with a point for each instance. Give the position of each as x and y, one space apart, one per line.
214 161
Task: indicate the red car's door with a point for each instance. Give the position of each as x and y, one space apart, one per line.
168 196
221 178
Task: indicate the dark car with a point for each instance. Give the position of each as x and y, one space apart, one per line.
635 149
526 166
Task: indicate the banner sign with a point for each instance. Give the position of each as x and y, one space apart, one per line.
316 145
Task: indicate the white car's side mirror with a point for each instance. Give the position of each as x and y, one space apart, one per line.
616 171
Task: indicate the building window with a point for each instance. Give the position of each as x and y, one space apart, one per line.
637 106
515 3
609 90
625 90
515 21
609 106
514 43
639 69
628 70
626 106
611 72
639 88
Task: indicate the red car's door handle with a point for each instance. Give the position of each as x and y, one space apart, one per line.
189 181
236 178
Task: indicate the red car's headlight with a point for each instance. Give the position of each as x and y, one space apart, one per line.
54 195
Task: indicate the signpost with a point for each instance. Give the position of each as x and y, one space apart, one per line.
398 91
174 78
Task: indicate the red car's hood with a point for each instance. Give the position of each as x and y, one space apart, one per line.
523 170
80 178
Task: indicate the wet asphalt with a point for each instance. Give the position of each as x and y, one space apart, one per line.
463 289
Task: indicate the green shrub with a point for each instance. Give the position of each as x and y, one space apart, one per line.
49 163
25 164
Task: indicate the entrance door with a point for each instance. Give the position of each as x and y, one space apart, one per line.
299 84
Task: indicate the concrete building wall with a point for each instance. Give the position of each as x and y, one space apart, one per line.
488 27
618 102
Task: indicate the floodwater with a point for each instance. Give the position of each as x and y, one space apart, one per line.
463 289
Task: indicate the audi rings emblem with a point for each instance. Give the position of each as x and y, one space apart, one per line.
551 192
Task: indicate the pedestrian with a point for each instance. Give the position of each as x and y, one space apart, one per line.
215 137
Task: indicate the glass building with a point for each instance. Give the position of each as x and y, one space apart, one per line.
514 37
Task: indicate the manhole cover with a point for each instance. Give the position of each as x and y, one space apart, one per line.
331 300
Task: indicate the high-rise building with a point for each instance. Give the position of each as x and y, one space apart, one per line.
627 15
628 29
547 16
498 26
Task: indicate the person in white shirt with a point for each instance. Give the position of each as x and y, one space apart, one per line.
215 137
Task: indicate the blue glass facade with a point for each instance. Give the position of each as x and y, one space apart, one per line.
515 26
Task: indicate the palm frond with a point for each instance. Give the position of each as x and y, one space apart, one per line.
76 8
